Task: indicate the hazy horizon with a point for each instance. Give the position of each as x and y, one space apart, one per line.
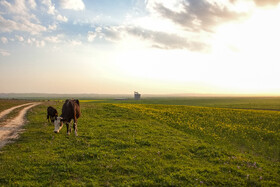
157 47
130 95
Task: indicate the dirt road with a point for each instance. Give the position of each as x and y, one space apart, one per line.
5 112
11 128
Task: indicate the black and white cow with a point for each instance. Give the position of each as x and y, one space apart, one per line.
51 114
70 111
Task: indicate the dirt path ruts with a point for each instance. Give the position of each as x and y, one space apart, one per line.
5 112
11 128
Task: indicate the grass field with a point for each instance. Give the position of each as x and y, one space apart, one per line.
150 143
259 103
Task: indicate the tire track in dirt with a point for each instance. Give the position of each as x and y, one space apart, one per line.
12 128
5 112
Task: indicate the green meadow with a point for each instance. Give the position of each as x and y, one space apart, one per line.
151 142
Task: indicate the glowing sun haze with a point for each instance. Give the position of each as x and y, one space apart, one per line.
152 46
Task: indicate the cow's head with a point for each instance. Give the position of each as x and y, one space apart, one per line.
58 123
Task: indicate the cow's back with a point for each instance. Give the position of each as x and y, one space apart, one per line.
51 111
71 107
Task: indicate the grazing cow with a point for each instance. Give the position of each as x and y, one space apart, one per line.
52 114
70 111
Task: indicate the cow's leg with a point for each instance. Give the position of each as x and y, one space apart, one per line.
68 130
75 127
48 118
75 122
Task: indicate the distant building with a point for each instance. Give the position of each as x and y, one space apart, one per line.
137 96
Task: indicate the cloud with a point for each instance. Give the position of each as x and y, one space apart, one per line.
72 4
91 36
19 38
4 40
31 40
17 17
112 33
32 4
75 42
17 8
176 24
108 33
50 6
166 40
267 2
51 10
36 42
61 18
4 52
40 43
7 25
52 27
157 39
195 15
53 39
22 24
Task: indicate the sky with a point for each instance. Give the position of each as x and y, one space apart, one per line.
149 46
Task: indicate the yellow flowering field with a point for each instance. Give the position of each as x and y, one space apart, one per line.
254 131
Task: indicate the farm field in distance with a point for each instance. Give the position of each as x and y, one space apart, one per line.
151 142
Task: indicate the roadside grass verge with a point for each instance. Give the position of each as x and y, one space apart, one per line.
129 145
